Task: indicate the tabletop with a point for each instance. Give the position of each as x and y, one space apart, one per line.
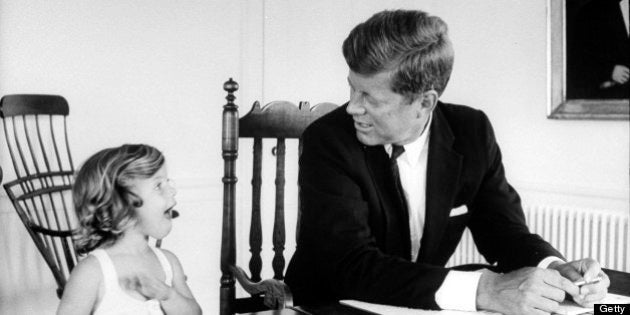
619 284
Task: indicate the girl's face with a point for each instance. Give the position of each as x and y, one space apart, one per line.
158 199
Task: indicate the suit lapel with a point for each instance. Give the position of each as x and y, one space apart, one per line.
443 170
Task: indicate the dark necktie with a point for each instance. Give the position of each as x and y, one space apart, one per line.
398 150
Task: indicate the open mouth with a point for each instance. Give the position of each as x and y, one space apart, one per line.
360 125
171 213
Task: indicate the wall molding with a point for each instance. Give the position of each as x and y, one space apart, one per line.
190 190
204 189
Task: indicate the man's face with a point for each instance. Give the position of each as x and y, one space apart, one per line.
382 116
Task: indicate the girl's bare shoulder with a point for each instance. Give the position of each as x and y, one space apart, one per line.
88 266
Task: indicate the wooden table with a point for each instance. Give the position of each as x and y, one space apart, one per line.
619 284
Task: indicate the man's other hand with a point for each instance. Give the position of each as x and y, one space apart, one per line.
524 291
586 269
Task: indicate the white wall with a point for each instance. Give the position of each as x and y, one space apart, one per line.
152 71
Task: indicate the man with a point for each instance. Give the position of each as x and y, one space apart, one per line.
380 230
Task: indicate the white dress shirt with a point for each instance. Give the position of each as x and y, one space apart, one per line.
623 4
412 168
459 289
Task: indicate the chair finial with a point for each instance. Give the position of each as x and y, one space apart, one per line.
305 105
230 86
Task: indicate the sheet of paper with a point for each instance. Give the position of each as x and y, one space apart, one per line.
397 310
566 308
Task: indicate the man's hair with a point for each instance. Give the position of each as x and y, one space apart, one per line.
103 200
413 44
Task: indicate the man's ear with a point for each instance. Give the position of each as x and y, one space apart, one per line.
429 99
425 102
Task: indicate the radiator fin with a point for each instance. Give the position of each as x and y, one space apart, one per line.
577 233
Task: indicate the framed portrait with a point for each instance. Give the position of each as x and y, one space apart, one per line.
588 54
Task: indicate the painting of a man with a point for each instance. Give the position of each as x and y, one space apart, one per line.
598 49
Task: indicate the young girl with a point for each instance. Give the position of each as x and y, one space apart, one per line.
122 196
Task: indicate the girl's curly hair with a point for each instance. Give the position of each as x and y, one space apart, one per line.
103 200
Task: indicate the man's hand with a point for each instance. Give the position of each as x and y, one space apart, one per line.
524 291
276 293
585 269
620 74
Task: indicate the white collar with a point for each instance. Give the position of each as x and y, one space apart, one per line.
413 149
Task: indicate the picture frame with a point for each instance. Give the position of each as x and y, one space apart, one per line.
559 106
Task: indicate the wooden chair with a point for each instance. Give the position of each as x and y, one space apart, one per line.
277 120
36 136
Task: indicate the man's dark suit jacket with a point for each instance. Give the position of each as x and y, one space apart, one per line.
354 240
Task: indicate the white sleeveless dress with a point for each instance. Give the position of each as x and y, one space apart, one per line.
115 301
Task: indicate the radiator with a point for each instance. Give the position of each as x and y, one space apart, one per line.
576 233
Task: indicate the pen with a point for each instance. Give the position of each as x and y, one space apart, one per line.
583 282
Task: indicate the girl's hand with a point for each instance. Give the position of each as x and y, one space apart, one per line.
171 300
151 287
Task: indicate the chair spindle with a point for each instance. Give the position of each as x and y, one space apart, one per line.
255 232
278 225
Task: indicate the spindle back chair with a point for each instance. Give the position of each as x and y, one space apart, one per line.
277 120
36 134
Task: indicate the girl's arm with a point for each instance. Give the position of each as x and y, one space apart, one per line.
81 291
181 298
176 299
